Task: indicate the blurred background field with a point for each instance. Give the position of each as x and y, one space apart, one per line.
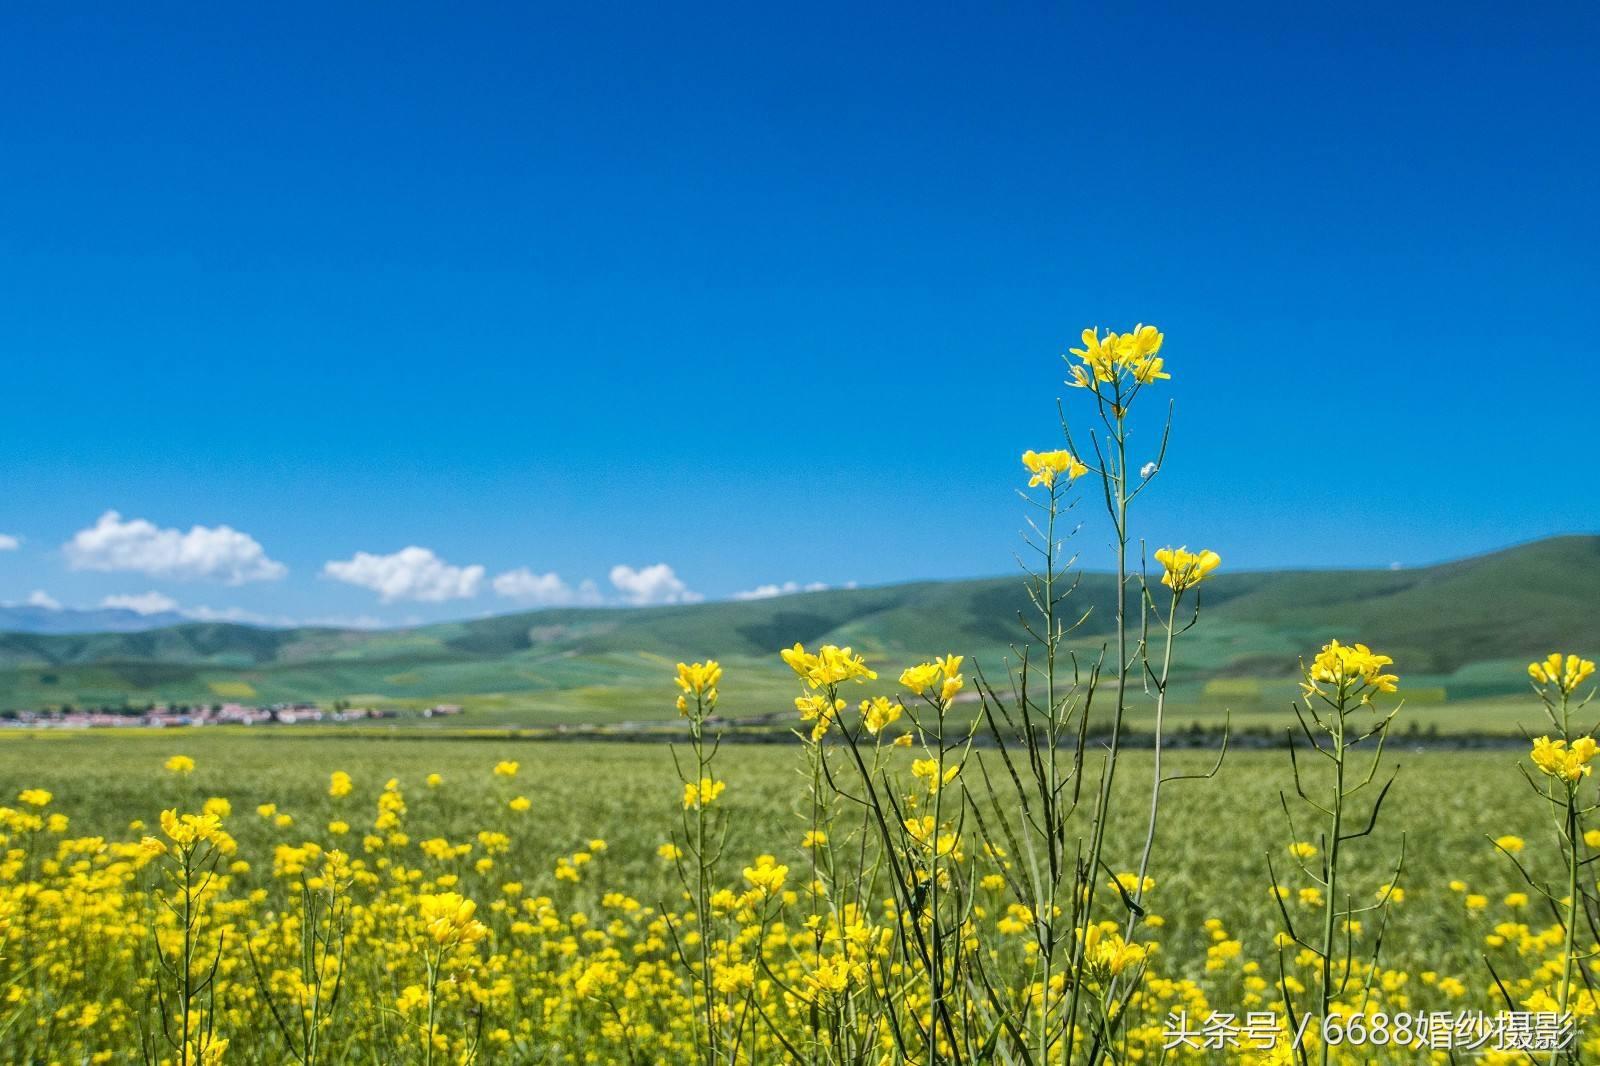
1461 634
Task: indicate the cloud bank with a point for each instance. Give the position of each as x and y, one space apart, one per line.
788 588
411 573
651 585
544 590
218 553
143 603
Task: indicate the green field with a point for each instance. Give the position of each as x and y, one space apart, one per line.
1461 634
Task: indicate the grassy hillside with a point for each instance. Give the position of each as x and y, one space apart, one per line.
1459 631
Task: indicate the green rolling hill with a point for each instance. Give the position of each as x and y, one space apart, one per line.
1460 632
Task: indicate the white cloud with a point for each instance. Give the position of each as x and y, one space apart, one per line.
8 543
651 585
788 588
41 598
409 574
144 603
217 552
203 613
340 621
544 590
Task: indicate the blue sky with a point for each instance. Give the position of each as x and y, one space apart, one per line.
771 296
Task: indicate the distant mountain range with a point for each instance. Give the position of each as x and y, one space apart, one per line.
27 618
1464 628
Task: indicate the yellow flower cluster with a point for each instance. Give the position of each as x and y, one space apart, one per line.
819 709
1556 758
942 676
1109 358
448 918
1350 669
828 667
187 830
1185 569
1564 674
823 672
878 713
928 770
1108 954
700 681
702 794
1046 467
766 875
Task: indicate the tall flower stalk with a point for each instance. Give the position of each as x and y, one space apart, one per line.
700 847
186 985
1565 763
1042 728
1182 572
1337 714
1113 369
839 989
308 1013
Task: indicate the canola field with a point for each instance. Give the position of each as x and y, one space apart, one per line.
576 963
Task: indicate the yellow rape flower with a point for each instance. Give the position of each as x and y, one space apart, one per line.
830 978
1131 884
1105 951
1555 758
942 673
1186 569
180 764
339 784
411 998
700 680
1351 669
1108 358
703 794
767 875
828 666
448 918
820 710
878 712
1565 674
506 768
1047 466
928 769
186 830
